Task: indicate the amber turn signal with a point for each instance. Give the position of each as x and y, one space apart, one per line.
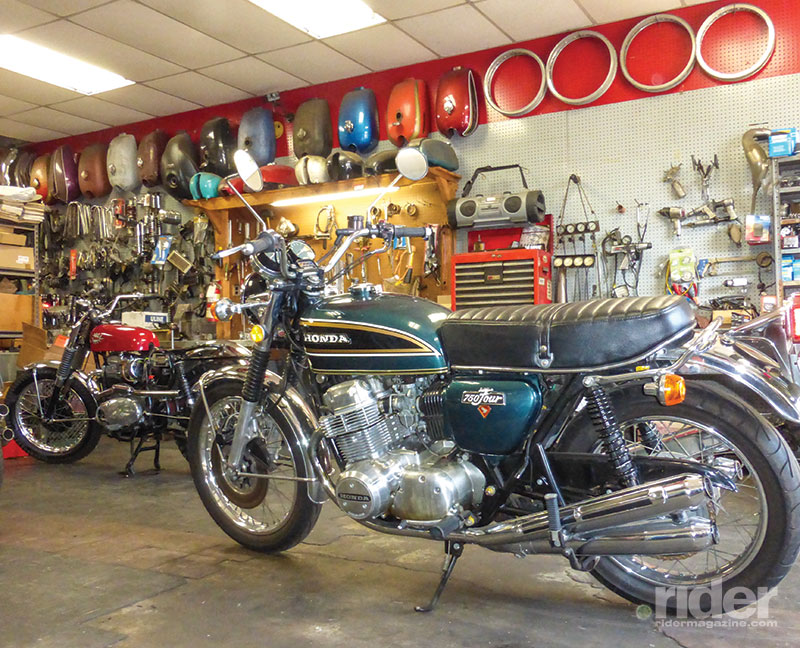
257 333
672 389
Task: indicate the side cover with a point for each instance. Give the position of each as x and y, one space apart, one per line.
217 145
123 172
457 103
178 165
151 148
358 121
343 165
312 130
407 111
204 185
257 134
311 169
63 175
92 174
38 177
381 162
438 153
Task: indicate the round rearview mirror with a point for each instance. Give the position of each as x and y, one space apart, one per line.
248 170
302 250
411 163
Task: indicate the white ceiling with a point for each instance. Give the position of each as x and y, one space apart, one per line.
185 54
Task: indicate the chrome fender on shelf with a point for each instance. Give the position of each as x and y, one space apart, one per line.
293 406
765 378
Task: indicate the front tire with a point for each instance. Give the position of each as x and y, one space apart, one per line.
62 441
768 498
264 515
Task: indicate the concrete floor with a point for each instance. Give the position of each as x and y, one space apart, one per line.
90 559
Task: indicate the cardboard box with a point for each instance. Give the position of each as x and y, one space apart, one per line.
14 311
16 258
9 238
34 345
146 319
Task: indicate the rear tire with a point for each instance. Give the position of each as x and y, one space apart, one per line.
55 442
759 444
237 504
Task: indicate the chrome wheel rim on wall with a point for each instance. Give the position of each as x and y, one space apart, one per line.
255 505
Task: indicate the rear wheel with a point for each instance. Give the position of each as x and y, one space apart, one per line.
266 515
69 436
758 526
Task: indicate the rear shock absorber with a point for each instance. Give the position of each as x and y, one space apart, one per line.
604 418
183 381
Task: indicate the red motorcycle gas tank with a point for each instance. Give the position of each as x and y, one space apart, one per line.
116 338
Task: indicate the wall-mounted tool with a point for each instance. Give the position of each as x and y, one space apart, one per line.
323 229
705 174
671 176
706 214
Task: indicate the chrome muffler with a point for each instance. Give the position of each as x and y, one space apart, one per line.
6 435
619 523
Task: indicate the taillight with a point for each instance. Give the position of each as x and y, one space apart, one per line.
794 318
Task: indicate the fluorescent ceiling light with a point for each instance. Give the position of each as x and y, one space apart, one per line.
323 18
44 64
326 198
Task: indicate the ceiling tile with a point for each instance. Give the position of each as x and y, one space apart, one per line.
91 47
140 97
381 47
252 75
605 11
199 89
26 132
64 7
57 120
526 19
435 30
17 16
392 9
153 32
237 22
9 105
315 62
36 92
102 111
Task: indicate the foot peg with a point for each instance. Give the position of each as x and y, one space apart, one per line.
453 551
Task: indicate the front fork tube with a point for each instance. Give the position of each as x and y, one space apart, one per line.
62 374
254 385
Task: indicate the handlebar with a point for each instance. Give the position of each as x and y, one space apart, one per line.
264 242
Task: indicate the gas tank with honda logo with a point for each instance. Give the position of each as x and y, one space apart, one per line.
367 332
118 338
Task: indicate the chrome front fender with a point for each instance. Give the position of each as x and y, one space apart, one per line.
79 376
764 379
301 416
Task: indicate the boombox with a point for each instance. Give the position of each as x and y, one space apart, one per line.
499 210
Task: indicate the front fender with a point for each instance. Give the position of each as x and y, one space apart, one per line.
78 376
300 415
765 380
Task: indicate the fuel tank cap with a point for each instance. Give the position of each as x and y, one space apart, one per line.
365 290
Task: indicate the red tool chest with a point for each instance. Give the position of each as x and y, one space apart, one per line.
501 277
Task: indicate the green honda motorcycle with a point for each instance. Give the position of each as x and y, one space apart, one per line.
602 431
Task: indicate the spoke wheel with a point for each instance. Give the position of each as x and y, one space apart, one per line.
266 514
70 435
758 535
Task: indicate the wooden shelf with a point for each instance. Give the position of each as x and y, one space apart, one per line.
232 223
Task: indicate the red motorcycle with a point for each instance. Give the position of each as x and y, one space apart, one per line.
138 393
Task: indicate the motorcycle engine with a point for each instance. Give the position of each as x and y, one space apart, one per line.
396 458
124 368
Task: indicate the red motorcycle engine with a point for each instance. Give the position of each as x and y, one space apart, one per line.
127 368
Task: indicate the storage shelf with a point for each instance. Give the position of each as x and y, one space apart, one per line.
790 250
8 272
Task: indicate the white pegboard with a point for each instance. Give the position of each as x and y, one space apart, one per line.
621 151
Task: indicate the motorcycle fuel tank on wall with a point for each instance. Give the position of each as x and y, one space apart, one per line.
117 338
373 333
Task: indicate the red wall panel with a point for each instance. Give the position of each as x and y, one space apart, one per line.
657 54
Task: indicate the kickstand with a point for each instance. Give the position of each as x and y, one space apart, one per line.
453 552
136 451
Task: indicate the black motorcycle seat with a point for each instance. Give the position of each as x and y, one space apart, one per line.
583 334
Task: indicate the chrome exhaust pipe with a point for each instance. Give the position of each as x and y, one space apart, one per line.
3 410
7 435
656 537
